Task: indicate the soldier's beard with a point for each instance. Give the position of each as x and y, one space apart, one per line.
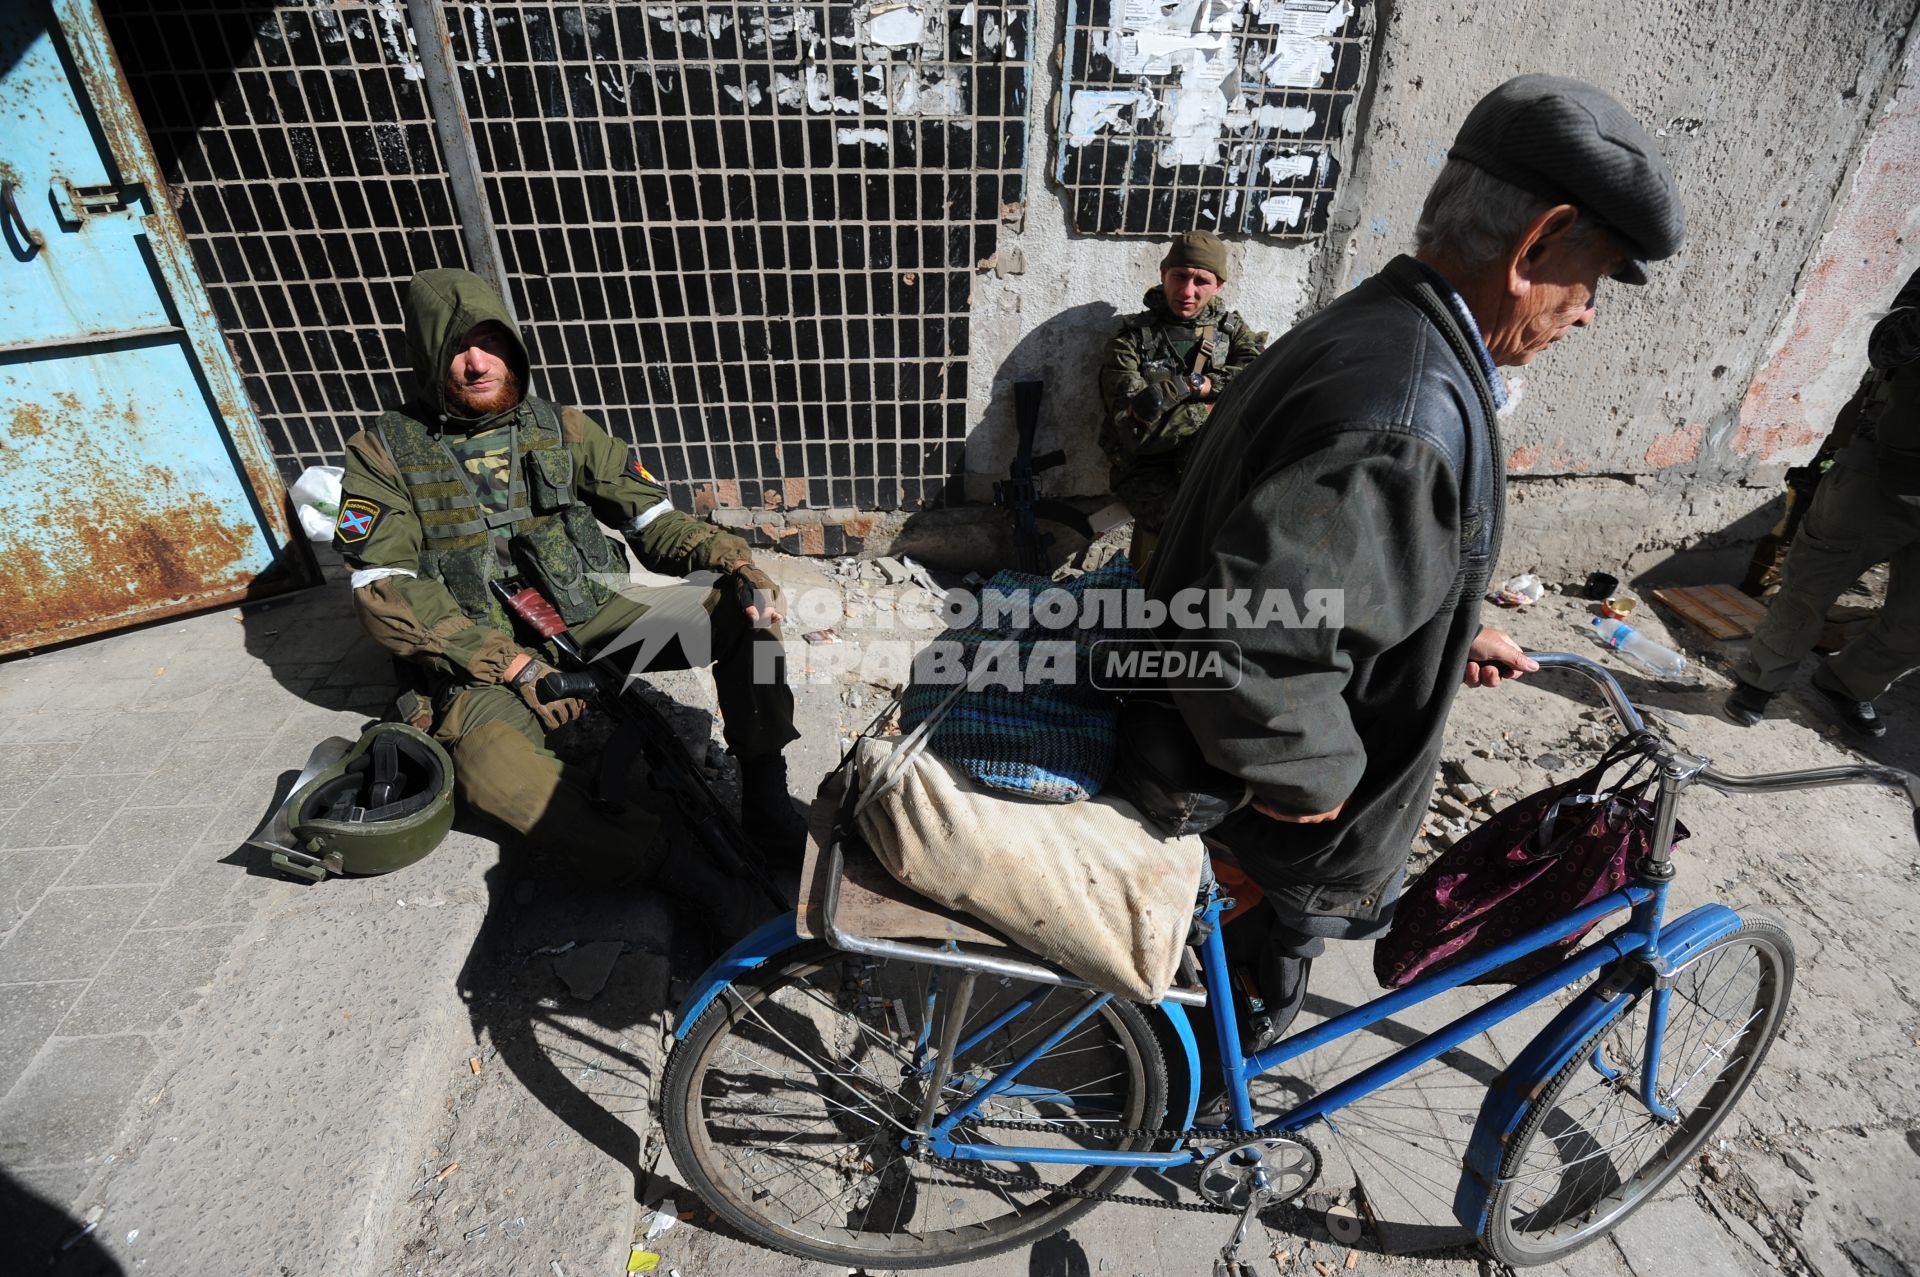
465 401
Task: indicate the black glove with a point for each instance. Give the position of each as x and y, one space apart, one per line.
757 591
1164 392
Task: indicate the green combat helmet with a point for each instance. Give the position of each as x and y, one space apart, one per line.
364 807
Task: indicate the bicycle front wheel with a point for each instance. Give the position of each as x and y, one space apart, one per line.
787 1103
1589 1150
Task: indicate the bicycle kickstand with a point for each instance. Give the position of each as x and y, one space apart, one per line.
1229 1263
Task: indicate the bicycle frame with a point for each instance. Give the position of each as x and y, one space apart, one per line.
1640 956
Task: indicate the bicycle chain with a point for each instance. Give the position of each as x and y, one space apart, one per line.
979 1170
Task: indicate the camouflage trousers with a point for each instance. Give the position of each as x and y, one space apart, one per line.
502 765
1148 486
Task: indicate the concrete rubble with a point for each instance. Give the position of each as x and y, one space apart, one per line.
452 1070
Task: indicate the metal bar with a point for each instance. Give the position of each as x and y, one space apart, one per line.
455 133
1419 991
1006 1077
90 339
1226 1028
1650 1067
1063 1156
953 956
1467 1026
958 1002
1609 687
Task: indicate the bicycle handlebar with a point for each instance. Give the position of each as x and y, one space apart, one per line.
1700 770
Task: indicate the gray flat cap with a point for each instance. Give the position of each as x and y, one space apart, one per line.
1569 142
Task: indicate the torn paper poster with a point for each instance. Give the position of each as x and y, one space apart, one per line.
896 27
1281 168
1305 17
1281 210
1094 110
1196 116
1220 15
1298 62
1287 119
872 137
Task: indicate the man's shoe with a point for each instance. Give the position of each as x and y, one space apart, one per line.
768 813
1747 704
1859 716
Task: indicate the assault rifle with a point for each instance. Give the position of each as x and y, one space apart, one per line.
643 732
1015 494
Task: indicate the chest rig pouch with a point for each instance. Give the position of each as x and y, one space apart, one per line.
552 539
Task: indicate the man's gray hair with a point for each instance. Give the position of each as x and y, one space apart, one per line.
1474 218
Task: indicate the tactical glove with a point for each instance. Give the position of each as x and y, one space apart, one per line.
757 594
1164 392
535 681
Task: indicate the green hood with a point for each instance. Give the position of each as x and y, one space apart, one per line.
442 307
1213 312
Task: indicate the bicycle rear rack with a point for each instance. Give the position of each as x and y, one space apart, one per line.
950 953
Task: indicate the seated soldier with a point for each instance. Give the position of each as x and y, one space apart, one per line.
1164 370
474 481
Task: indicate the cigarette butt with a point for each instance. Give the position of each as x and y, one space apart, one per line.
1353 1258
1321 1268
1282 1256
474 1064
451 1168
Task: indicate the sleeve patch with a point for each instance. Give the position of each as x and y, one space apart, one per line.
358 518
641 470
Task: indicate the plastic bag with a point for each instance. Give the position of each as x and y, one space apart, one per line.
316 499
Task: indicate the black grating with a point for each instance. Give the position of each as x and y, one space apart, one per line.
310 189
745 234
1219 115
740 235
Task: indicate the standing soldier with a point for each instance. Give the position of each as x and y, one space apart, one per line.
1164 370
474 481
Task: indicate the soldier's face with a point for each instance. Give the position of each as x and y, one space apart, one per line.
1188 289
481 379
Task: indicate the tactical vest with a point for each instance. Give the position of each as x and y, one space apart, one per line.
1161 337
554 541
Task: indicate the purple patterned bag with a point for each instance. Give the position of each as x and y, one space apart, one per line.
1547 854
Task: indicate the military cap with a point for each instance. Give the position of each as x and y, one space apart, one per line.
1199 250
1569 142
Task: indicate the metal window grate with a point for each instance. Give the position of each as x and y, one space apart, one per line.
310 189
745 234
1220 115
740 235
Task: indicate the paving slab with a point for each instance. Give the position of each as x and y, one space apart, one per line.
151 978
71 933
25 877
30 1013
139 845
72 1099
67 811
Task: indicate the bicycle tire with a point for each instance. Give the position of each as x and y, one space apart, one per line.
768 1147
1560 1185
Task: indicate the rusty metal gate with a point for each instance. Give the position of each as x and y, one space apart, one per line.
741 235
134 479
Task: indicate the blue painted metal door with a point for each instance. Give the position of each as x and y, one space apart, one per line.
134 478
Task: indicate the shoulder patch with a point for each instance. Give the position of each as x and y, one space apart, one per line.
359 516
633 464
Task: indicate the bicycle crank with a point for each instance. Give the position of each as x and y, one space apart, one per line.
1249 1175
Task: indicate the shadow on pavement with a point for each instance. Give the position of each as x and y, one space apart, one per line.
43 1238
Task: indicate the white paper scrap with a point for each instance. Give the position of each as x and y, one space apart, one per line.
1097 110
1298 62
896 28
1281 168
1277 210
1305 17
1287 119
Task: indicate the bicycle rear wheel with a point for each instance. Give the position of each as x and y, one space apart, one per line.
786 1105
1588 1152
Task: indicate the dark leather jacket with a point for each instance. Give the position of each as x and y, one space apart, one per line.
1359 454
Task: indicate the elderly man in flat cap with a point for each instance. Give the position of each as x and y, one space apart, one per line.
1164 370
1361 453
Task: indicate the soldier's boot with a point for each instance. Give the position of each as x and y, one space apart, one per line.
768 813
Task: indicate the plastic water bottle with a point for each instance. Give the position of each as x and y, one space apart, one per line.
1638 648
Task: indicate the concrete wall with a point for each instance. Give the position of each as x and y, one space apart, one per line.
1793 127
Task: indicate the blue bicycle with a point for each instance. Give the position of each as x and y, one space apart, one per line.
908 1103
